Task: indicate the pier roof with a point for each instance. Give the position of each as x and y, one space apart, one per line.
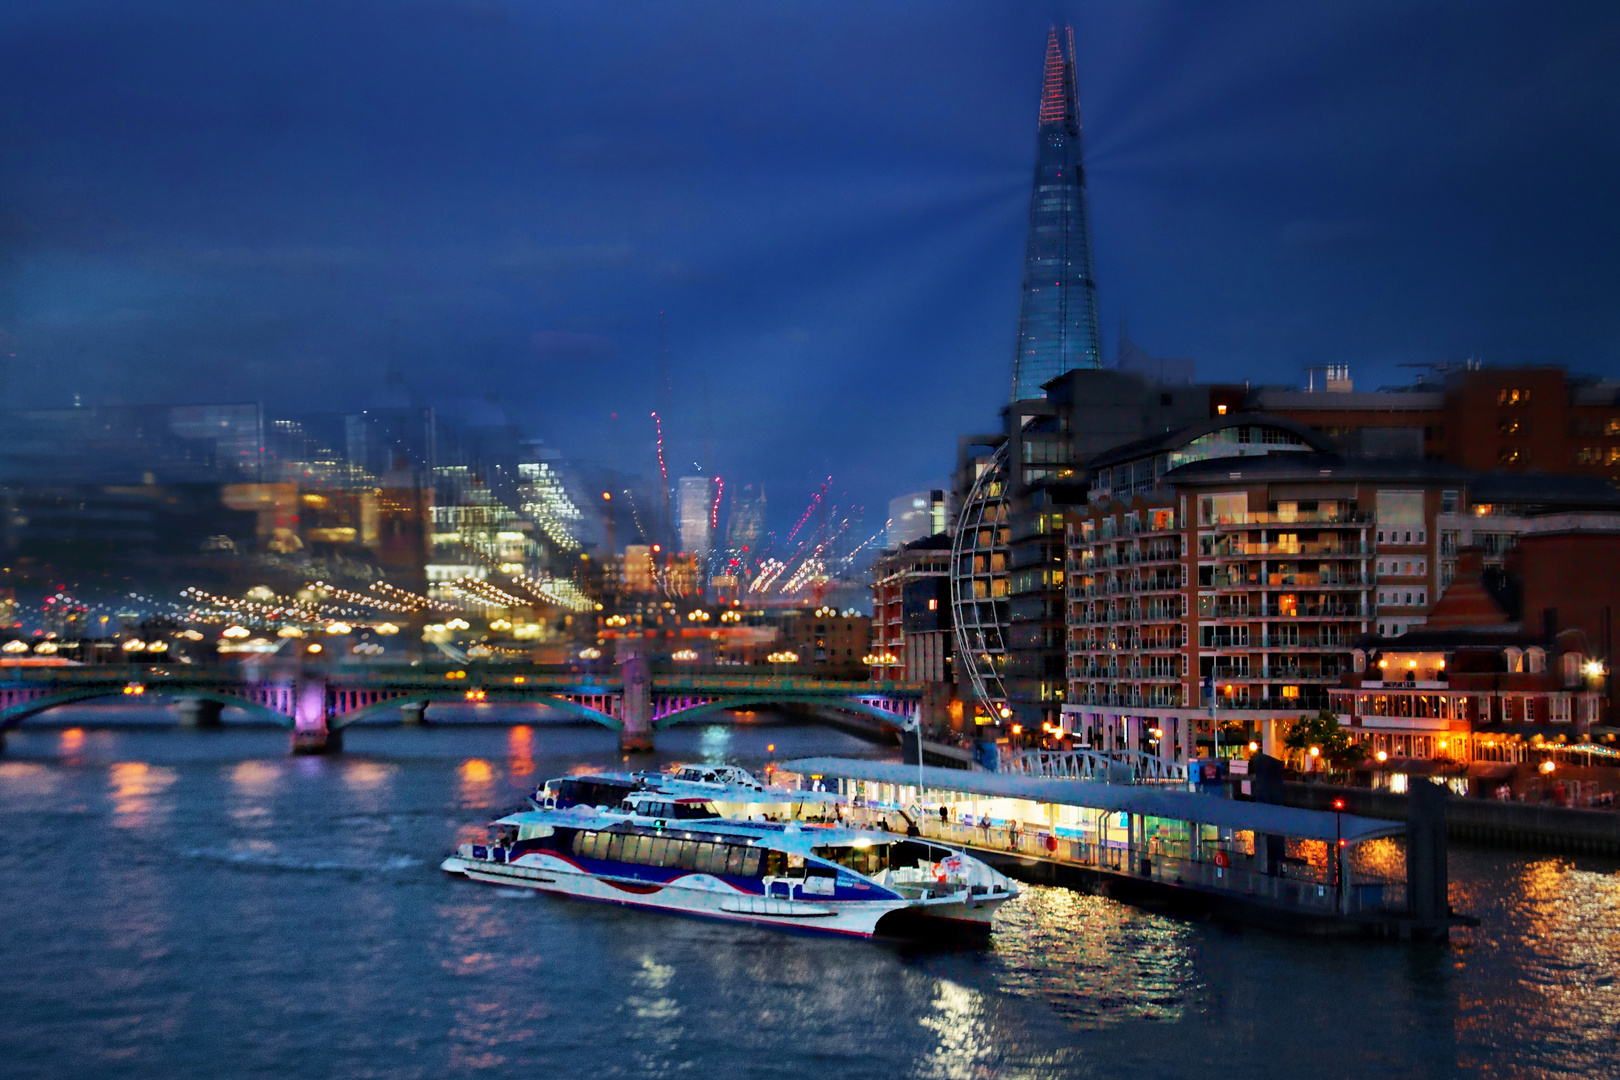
1113 798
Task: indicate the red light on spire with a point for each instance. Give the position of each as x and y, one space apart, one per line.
1054 91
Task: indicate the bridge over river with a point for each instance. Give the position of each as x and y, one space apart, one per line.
318 702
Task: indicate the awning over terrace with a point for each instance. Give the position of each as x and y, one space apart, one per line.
1113 798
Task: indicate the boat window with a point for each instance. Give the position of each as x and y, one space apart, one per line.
713 859
863 860
640 852
599 847
736 860
750 862
775 863
616 847
659 852
693 811
534 832
591 793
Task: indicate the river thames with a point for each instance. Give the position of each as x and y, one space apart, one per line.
192 903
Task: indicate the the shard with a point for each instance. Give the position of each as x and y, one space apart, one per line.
1057 318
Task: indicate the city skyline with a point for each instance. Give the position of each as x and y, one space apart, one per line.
872 213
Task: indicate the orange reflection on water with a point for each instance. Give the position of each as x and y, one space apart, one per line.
134 787
72 740
477 777
254 777
520 749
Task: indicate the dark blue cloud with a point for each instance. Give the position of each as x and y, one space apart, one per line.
264 200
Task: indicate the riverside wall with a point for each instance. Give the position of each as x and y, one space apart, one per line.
1526 826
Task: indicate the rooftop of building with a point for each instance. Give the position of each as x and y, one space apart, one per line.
1318 466
1180 437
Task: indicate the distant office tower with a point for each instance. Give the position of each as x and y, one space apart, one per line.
1057 319
640 572
747 522
914 516
694 510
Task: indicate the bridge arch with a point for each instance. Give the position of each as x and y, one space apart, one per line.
445 697
14 716
742 701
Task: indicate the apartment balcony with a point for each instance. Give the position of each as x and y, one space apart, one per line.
1315 521
1289 551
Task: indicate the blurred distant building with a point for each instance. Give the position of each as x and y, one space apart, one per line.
640 574
914 516
695 513
746 524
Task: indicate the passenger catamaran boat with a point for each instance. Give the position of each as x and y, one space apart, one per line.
734 791
667 852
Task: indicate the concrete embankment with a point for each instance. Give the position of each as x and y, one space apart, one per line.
1526 826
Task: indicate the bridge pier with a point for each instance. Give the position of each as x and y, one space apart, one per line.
636 736
312 734
413 713
199 713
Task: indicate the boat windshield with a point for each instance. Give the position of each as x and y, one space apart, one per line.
873 859
672 809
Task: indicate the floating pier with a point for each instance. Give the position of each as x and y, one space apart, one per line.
1165 847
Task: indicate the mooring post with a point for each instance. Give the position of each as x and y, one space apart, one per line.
636 736
413 713
312 731
1427 881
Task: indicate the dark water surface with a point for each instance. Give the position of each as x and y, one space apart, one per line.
199 904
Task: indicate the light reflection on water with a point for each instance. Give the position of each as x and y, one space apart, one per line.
223 902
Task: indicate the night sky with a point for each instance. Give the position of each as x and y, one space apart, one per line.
269 201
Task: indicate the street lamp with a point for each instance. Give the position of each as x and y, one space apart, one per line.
1338 854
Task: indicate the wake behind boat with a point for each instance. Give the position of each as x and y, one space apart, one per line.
690 861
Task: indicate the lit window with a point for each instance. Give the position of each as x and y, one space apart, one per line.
1513 397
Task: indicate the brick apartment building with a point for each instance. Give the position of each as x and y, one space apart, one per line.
911 612
1516 419
1237 559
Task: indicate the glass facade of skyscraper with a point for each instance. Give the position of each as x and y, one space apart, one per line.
1057 318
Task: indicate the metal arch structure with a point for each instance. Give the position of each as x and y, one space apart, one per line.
897 712
980 642
552 699
14 715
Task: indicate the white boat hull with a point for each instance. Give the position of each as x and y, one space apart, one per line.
709 897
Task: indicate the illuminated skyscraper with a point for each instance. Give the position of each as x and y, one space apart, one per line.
694 513
1057 318
747 522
